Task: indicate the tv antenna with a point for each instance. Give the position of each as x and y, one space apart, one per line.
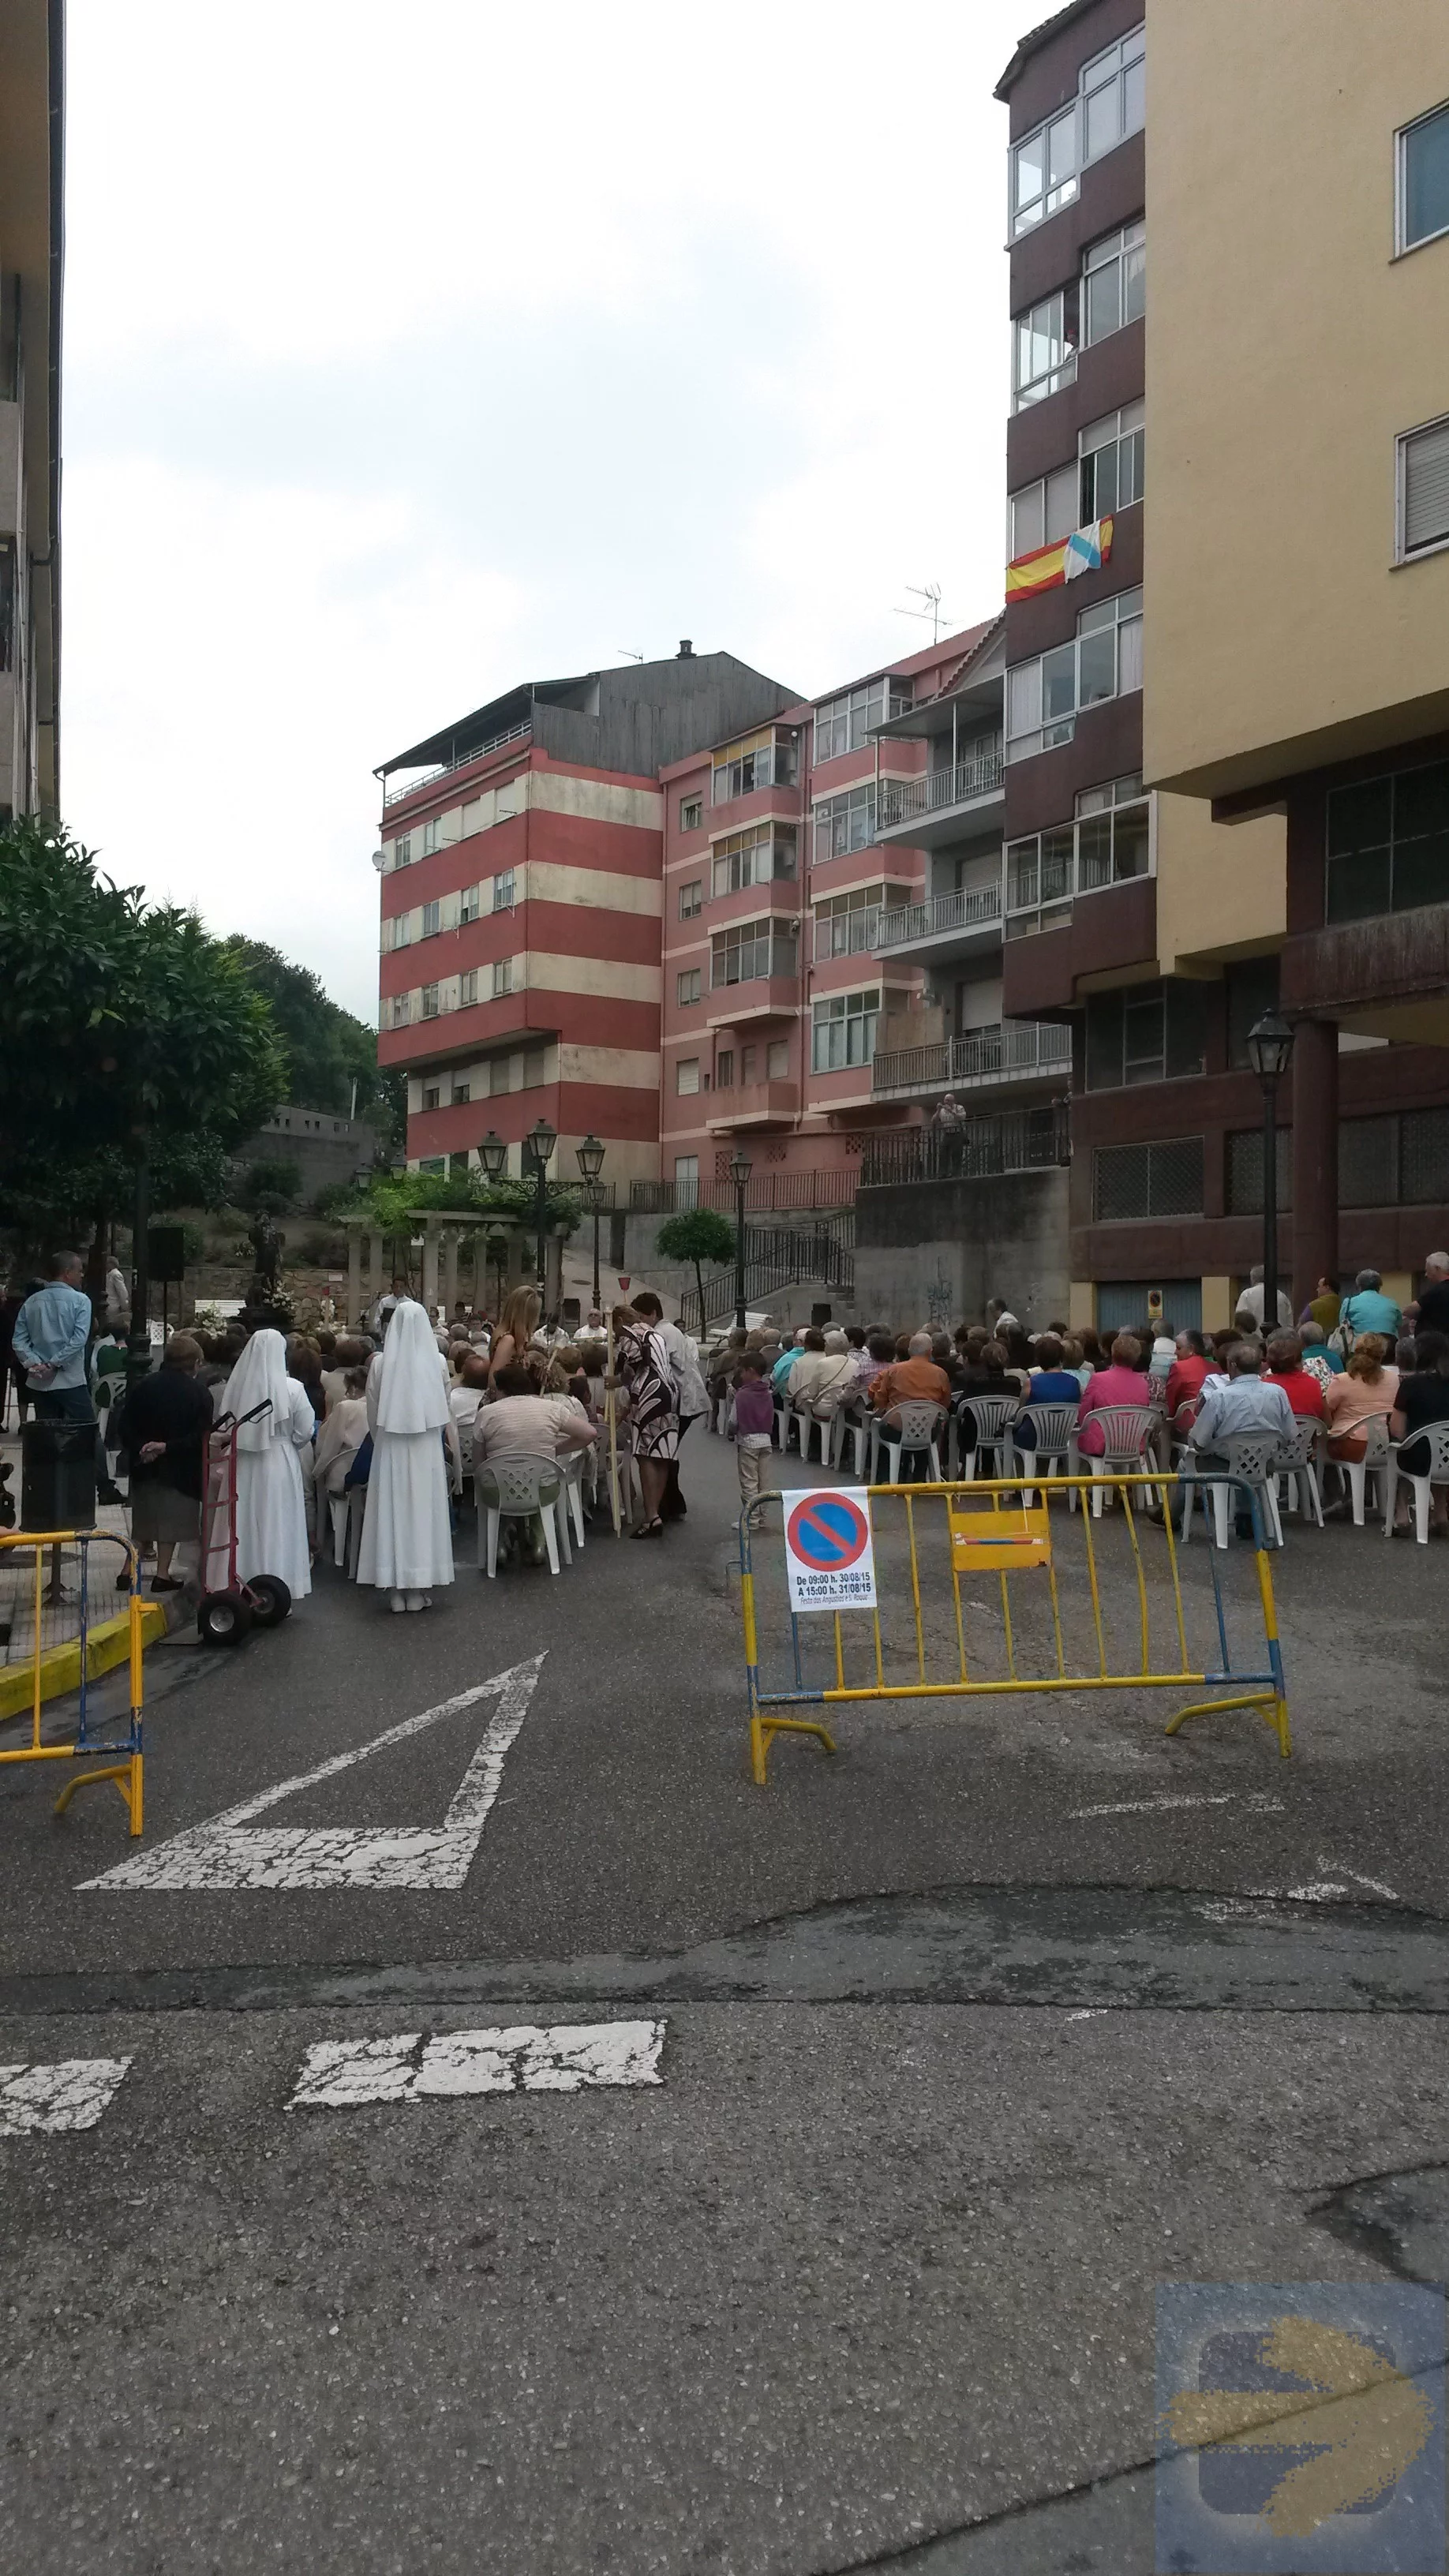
628 654
930 592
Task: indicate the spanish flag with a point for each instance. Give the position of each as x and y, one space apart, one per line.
1048 567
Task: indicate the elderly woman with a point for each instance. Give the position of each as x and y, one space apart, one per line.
642 1369
1122 1381
1365 1389
1422 1397
168 1417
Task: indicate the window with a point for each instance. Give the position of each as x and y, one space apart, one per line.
1423 480
402 930
403 851
753 858
749 1066
1243 1175
750 950
1146 1033
533 1067
1388 844
686 986
432 835
843 1031
458 1165
1107 844
1251 988
1043 696
470 904
686 1180
431 1003
468 989
691 813
1392 1161
686 1076
1043 349
724 1069
846 924
1110 104
845 823
401 1010
1147 1180
777 1060
691 899
761 760
1113 454
432 1095
1114 283
503 897
845 723
462 1094
500 1075
433 1164
432 920
1042 512
502 977
1423 179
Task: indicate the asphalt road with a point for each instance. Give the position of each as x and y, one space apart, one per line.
972 2036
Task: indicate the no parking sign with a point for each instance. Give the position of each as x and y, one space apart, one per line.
828 1550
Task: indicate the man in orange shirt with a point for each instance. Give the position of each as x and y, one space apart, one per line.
914 1381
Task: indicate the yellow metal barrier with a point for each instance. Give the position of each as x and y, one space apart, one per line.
110 1749
1131 1634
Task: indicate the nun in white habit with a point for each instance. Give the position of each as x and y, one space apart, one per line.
407 1545
271 1510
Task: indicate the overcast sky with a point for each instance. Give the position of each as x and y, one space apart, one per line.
413 353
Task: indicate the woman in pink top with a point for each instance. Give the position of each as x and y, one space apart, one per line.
1366 1387
1121 1382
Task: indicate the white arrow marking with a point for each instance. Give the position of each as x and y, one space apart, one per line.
570 2057
70 2094
229 1852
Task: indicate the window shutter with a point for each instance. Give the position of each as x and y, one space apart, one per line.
1426 487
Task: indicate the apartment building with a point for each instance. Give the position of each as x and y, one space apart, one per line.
833 922
32 218
521 866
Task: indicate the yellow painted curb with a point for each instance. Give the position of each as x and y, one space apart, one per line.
109 1643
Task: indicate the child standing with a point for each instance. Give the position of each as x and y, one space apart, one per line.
754 1423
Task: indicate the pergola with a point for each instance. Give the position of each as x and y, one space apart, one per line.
443 1231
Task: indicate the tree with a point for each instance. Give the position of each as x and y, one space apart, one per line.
699 1236
327 1049
272 1189
127 1035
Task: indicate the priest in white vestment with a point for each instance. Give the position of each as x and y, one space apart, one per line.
271 1510
407 1544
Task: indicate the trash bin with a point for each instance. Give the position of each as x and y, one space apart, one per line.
58 1475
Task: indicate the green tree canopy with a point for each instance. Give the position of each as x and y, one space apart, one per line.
327 1049
126 1030
700 1235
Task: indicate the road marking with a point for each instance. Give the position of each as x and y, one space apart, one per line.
1318 1889
229 1852
1257 1800
571 2057
71 2094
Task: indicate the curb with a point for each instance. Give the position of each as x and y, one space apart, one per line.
108 1644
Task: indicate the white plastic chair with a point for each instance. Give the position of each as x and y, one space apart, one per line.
1376 1461
993 1416
1297 1466
571 1467
917 1430
805 1422
1126 1431
1437 1435
514 1489
1250 1460
847 1425
1055 1449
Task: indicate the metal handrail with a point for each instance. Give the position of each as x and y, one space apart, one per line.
766 1193
959 911
903 800
441 769
1015 1140
1017 1046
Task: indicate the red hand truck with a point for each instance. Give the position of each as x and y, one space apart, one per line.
225 1618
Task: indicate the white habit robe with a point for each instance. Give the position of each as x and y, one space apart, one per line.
407 1544
271 1509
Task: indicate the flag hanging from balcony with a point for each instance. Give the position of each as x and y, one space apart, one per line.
1048 567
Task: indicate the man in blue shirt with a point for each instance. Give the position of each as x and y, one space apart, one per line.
51 1333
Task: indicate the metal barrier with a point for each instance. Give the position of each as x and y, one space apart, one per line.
108 1743
1078 1604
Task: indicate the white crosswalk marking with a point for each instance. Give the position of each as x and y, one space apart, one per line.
516 2058
71 2094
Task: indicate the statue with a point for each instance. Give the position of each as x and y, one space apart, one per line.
267 1245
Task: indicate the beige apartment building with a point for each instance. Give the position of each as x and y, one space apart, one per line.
1296 576
32 229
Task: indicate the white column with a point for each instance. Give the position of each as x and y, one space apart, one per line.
430 1263
375 1280
354 1277
450 1270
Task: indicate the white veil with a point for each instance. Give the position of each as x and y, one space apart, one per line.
260 1372
412 1388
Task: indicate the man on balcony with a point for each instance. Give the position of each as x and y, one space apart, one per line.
949 1125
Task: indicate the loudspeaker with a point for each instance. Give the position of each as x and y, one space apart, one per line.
165 1253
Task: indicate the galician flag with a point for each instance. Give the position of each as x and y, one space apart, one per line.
1047 567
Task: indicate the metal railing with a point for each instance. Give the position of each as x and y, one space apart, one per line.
996 1055
936 791
969 908
766 1193
847 934
441 768
1016 1140
775 1257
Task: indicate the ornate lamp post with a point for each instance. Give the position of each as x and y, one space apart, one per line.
540 1142
1270 1052
590 1159
740 1170
492 1156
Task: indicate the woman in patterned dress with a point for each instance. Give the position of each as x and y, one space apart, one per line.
641 1364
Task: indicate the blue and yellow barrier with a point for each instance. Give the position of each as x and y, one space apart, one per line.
108 1748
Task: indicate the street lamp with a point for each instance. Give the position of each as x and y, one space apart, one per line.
492 1155
541 1141
740 1170
590 1159
1270 1052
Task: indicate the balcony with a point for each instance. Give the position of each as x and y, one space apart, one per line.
758 997
945 925
1384 976
419 779
942 803
849 934
753 1104
1018 1051
1013 1140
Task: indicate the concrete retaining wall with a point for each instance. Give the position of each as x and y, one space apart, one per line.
932 1252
